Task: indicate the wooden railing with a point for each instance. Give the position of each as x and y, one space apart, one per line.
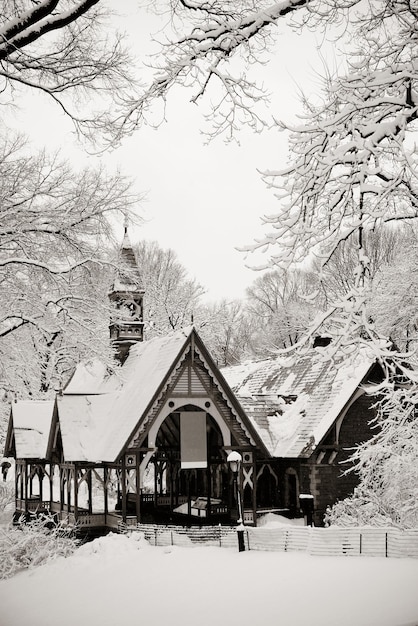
91 520
161 500
113 521
33 505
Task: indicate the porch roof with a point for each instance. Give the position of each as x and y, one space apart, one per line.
293 402
98 418
31 421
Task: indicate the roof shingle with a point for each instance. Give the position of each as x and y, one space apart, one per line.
293 402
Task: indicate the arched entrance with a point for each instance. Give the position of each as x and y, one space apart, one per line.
187 477
267 487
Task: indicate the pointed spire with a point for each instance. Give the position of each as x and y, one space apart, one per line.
128 280
127 292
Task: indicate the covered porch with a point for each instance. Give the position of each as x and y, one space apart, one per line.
106 496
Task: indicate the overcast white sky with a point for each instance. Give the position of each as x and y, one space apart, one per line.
201 200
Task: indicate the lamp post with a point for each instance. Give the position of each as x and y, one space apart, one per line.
234 459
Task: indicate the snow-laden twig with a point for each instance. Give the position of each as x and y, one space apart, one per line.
32 544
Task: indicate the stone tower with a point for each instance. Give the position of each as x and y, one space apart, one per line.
127 325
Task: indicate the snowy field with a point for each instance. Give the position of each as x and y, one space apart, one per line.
120 580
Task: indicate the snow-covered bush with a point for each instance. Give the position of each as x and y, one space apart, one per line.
357 510
7 494
32 544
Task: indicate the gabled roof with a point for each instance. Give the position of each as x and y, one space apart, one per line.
284 406
99 412
96 425
30 423
293 402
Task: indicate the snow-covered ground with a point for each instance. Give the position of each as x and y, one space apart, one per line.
121 580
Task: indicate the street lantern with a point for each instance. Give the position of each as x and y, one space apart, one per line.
234 459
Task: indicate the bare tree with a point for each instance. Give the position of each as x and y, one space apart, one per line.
278 303
226 330
60 48
55 227
381 246
171 296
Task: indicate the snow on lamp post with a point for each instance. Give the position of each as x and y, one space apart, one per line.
234 459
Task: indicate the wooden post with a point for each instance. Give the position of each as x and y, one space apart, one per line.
156 466
209 488
105 492
254 491
68 490
138 487
123 489
41 482
189 500
25 485
75 492
51 483
90 488
61 471
171 483
17 480
30 479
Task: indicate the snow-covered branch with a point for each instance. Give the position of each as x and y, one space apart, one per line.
60 48
202 59
55 239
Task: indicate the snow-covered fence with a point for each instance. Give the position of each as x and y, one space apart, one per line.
277 539
334 541
222 536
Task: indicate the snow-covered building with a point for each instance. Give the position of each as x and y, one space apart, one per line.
310 412
149 441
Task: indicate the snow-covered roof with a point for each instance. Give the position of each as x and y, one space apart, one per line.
127 279
96 427
290 403
92 377
293 402
31 425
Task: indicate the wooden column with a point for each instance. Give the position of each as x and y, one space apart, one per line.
90 487
254 491
30 479
17 480
138 486
68 489
123 489
75 492
156 465
61 470
189 499
209 487
41 482
105 487
171 482
51 483
25 485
